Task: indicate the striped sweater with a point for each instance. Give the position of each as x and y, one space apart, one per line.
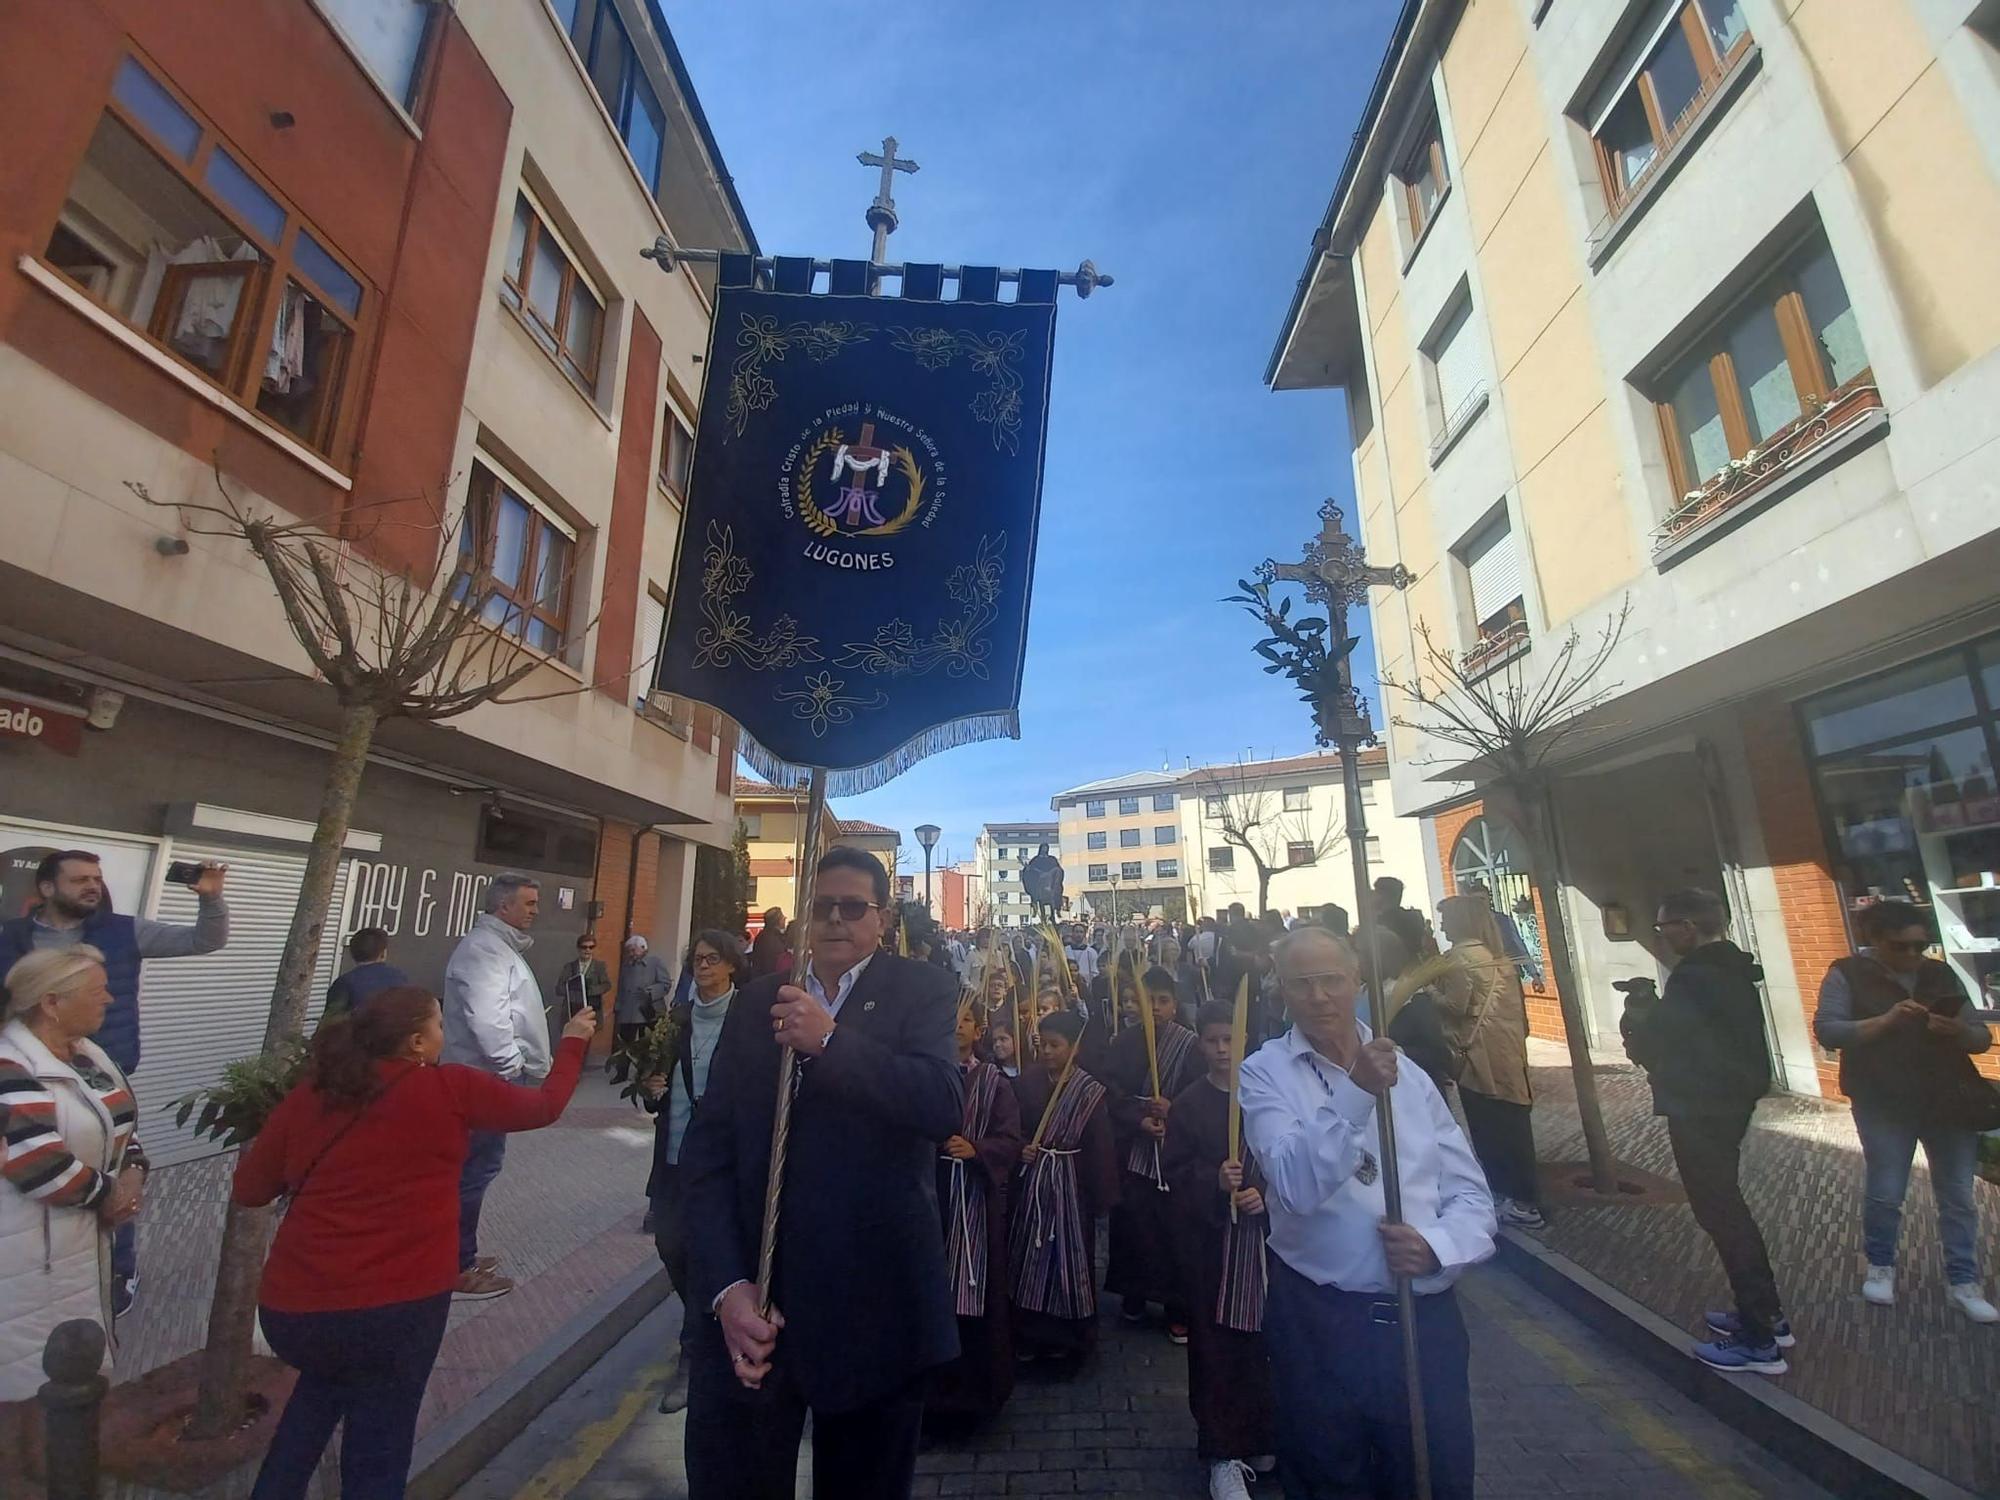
39 1162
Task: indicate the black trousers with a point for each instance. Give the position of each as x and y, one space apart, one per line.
364 1371
1503 1138
1342 1411
1708 1153
744 1445
670 1236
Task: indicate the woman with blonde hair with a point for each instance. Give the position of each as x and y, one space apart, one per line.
73 1172
1487 1022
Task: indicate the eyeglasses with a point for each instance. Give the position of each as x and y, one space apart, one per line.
850 908
1673 922
707 960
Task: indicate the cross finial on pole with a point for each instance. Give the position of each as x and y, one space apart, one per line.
882 212
1336 575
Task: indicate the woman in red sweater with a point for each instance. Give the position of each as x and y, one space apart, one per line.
355 1292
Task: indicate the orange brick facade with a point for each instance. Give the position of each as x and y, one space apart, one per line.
1544 1007
614 869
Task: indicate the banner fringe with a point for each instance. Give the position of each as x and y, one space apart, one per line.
851 781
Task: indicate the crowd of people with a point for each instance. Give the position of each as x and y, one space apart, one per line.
969 1110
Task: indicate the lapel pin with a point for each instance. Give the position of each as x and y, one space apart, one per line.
869 1006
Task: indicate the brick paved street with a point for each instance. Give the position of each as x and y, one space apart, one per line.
1559 1412
1917 1378
563 1217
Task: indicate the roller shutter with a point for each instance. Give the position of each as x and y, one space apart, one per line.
197 1014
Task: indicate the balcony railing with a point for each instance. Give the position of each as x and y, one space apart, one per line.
1495 647
1743 478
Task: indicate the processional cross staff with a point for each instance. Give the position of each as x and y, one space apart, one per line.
1335 575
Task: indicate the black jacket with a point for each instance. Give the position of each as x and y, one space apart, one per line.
861 1275
1702 1045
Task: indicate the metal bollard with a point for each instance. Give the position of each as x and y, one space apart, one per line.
70 1400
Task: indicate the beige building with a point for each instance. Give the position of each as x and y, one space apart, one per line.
1290 816
773 820
1189 843
1689 305
370 264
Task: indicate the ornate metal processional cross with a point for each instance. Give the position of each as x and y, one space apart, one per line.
882 212
1336 574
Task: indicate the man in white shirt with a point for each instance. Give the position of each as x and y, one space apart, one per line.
1080 953
1331 1327
493 1019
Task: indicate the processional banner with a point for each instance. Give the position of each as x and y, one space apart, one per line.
859 539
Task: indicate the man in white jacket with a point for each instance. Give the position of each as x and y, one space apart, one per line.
493 1019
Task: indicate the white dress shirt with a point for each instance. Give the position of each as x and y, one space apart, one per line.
1085 959
1313 1132
842 988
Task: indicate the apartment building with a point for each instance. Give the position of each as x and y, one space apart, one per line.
1686 308
369 263
998 855
1289 815
1182 844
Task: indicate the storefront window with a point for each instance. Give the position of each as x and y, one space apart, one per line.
1904 766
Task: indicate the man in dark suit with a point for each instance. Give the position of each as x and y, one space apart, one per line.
862 1304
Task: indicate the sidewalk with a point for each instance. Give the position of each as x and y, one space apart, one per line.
1916 1378
563 1218
1560 1411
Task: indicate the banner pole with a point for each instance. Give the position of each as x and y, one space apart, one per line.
1385 1119
788 1060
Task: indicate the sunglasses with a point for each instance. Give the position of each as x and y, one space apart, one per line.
849 908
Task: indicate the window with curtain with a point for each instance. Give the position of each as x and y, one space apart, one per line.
1676 65
1786 349
181 239
1423 177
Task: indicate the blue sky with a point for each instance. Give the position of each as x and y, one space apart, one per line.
1188 148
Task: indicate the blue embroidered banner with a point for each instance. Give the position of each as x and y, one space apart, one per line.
860 531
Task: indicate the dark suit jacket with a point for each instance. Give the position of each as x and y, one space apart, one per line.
861 1275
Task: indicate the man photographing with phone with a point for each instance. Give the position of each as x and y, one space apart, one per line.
75 908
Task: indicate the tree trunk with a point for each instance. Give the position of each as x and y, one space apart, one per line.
336 811
1539 820
1263 887
232 1311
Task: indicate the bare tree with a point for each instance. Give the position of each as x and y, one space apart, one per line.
1511 719
430 645
1250 814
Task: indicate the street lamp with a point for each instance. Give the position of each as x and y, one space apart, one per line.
927 835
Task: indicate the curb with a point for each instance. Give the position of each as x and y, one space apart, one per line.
1833 1456
461 1445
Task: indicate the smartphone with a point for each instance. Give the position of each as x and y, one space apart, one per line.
183 872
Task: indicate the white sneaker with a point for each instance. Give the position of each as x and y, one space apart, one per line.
1880 1286
1971 1301
1227 1479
